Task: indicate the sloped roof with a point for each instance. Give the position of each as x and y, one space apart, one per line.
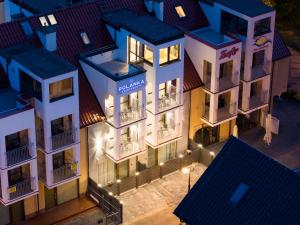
280 49
191 78
272 197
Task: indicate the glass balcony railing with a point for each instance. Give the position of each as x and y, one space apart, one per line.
221 114
260 70
131 114
222 84
257 101
167 132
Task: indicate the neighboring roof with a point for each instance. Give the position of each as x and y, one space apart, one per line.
195 17
156 33
43 63
251 8
191 77
243 186
3 79
280 49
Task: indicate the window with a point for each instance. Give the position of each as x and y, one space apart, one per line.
135 50
258 59
44 21
148 54
168 55
180 11
231 24
60 89
26 28
226 70
52 19
239 193
85 38
30 87
262 26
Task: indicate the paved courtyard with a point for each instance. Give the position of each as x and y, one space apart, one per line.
154 203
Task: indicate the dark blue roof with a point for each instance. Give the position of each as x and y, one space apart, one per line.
144 26
251 8
273 196
280 49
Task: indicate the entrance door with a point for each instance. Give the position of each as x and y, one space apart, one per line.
17 212
207 135
244 123
50 198
67 192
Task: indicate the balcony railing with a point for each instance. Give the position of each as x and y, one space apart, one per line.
168 100
21 188
260 70
18 155
131 147
224 83
68 137
64 172
167 132
131 114
222 113
258 100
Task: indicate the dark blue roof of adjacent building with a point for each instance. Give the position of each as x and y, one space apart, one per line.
243 186
156 33
251 8
280 49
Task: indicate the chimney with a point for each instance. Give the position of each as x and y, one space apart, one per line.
156 6
47 36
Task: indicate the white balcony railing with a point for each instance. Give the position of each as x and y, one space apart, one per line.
131 114
221 114
131 147
260 70
169 99
257 101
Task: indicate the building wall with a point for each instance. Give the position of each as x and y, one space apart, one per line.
2 12
83 180
30 206
281 69
182 144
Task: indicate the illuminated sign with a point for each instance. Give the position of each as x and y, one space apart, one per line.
228 53
12 189
130 85
262 41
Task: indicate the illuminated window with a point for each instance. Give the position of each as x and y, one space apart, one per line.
168 55
85 38
52 19
44 21
163 55
180 11
61 89
148 54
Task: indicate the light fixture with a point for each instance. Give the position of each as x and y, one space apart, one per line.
200 145
185 170
119 181
161 164
137 173
212 153
181 156
121 202
110 193
99 185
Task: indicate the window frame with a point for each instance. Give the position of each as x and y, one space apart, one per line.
44 21
168 55
54 99
260 23
52 19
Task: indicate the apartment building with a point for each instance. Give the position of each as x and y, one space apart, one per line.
107 99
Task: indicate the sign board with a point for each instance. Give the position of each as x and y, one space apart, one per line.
261 42
228 53
131 85
12 189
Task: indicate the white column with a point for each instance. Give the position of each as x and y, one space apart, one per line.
4 185
213 106
49 169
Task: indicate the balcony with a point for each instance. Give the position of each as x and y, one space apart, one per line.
222 114
168 100
21 188
66 138
258 101
67 171
131 146
18 155
131 114
167 132
259 71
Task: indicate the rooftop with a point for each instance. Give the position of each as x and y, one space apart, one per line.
212 37
118 70
243 186
38 60
251 8
10 103
156 33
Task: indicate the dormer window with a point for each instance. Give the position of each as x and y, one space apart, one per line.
52 19
180 11
85 38
26 28
43 21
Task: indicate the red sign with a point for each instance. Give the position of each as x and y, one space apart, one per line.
228 54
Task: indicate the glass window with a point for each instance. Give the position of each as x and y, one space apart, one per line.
180 11
135 50
262 26
61 89
163 55
44 21
174 52
231 24
169 54
148 54
85 38
52 19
